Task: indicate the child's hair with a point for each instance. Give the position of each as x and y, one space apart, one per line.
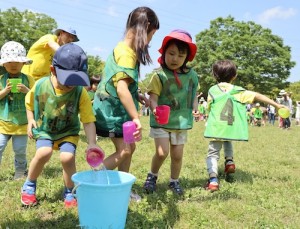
224 70
142 20
183 47
95 79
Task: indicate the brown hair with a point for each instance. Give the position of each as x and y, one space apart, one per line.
142 20
224 70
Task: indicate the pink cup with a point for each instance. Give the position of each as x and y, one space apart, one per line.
94 157
128 129
163 114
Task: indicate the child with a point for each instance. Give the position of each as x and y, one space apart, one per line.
285 100
202 109
42 51
13 121
116 99
227 120
94 81
53 105
257 114
174 85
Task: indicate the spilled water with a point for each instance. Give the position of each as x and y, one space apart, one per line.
100 175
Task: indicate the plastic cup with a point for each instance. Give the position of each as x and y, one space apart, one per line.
128 129
14 83
284 112
163 114
94 157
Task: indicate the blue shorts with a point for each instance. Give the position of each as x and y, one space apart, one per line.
63 147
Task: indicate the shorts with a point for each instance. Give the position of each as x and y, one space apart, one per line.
176 138
62 146
106 134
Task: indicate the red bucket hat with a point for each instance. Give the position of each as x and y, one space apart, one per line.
182 36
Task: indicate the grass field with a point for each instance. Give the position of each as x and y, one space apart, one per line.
265 191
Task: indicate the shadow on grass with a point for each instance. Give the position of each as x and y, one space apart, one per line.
163 202
66 220
51 171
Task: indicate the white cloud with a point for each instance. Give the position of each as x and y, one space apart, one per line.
276 13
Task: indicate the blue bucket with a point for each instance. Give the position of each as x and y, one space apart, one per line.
103 198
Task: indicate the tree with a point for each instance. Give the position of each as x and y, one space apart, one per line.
263 61
24 27
96 65
295 89
27 27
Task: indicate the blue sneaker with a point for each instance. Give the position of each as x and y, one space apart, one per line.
69 200
28 197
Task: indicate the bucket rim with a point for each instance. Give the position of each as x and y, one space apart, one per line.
78 183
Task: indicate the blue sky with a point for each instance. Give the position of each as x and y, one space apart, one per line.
100 24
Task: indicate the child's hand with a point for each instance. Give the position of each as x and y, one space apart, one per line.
138 134
154 113
143 100
282 106
8 86
22 88
31 124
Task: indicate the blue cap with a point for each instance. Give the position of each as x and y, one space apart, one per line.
68 30
70 63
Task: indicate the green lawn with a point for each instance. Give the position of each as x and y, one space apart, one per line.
264 192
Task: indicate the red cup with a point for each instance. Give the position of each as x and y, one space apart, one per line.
94 157
128 129
163 114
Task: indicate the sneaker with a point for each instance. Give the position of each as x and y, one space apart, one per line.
70 200
150 183
212 184
20 174
229 166
28 197
175 186
135 197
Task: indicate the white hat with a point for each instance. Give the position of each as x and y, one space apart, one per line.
13 52
202 99
257 104
282 92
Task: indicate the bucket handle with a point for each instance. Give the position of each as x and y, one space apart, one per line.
74 189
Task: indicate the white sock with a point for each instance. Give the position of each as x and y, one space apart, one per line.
155 174
173 180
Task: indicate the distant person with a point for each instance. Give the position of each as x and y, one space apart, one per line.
94 81
227 119
174 85
297 114
257 114
42 51
202 109
53 108
271 114
13 121
116 100
286 101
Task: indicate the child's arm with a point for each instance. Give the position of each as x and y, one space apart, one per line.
195 107
31 123
22 88
53 45
127 101
153 102
5 90
90 132
264 99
